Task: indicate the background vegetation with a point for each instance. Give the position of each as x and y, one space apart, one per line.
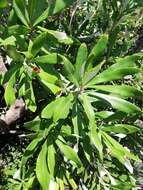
71 79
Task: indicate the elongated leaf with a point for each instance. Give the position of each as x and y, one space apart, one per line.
51 159
9 94
80 61
88 108
68 152
42 172
56 6
98 49
121 90
30 150
47 77
104 114
20 9
30 97
128 61
35 9
18 30
93 134
76 119
42 17
54 88
69 69
109 75
90 74
117 149
8 41
60 36
49 59
52 109
71 180
118 103
120 128
38 43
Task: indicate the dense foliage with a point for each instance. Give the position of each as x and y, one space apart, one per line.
77 66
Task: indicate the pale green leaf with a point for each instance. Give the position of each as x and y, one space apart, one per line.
51 58
117 103
120 128
52 109
80 61
68 152
121 90
42 172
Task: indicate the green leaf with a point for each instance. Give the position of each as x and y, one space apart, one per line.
76 119
52 109
33 125
51 159
91 73
93 134
8 41
118 103
54 89
69 70
98 49
38 43
20 9
121 90
128 61
3 4
51 58
96 140
88 109
18 30
47 76
120 128
56 6
80 61
110 74
71 180
68 152
30 97
117 150
30 150
42 172
9 94
49 81
60 36
42 17
35 9
104 114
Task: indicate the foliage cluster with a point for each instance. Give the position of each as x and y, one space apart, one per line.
69 61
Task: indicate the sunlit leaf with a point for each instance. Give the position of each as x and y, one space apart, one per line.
42 172
118 103
68 152
52 109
